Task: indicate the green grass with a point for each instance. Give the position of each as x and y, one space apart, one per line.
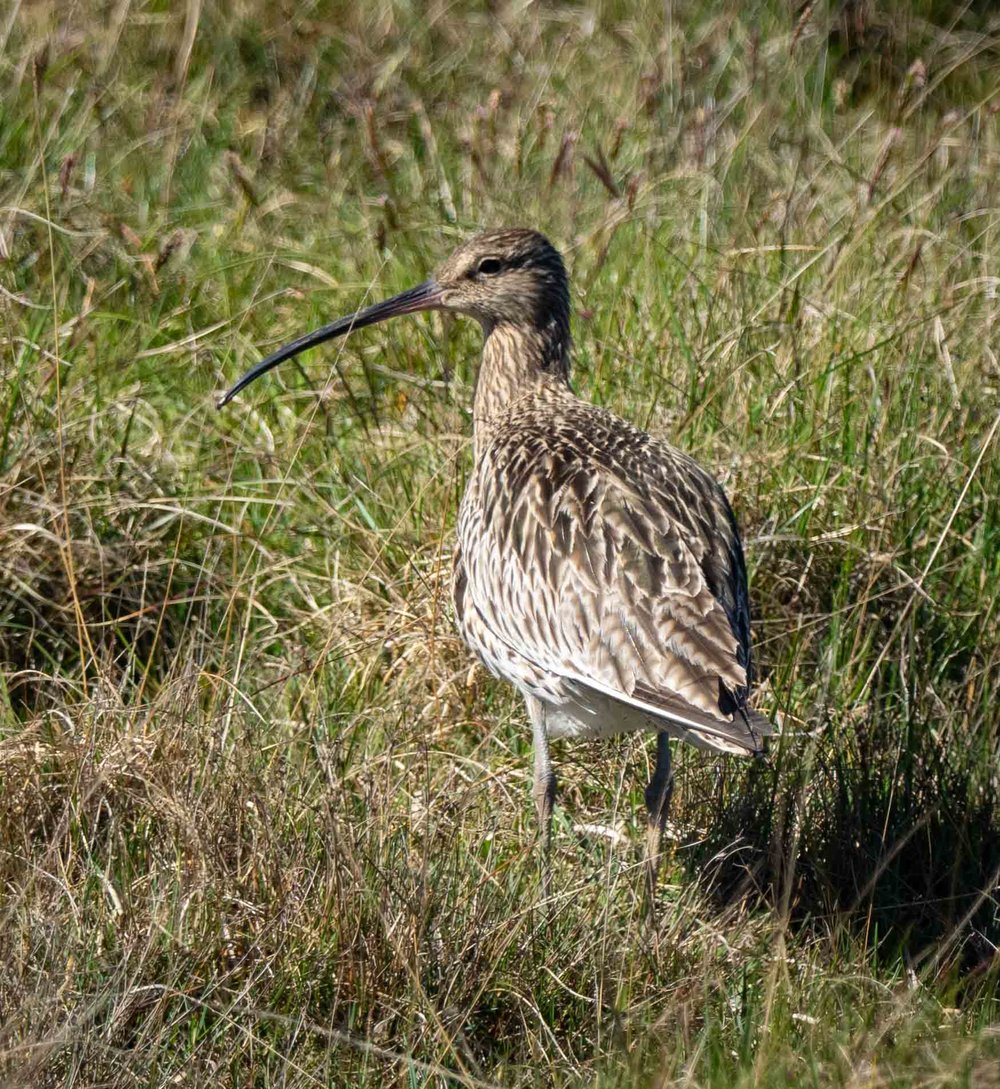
262 822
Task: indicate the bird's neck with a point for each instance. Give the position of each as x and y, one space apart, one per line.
518 359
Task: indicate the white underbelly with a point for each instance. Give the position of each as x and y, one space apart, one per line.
598 717
570 711
567 713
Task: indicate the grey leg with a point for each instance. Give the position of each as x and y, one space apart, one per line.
544 789
658 793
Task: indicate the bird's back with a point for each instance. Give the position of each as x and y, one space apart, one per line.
601 570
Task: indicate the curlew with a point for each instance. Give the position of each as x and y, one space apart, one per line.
597 568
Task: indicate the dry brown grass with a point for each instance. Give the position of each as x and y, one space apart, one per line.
261 820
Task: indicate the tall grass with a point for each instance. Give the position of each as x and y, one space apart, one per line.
262 821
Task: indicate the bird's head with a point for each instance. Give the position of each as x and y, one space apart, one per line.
497 277
501 277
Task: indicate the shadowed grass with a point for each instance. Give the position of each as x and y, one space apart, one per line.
262 821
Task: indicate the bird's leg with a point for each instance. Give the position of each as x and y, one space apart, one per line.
658 793
544 789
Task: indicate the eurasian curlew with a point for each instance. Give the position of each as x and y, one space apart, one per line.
597 569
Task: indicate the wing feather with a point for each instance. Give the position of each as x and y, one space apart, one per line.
614 571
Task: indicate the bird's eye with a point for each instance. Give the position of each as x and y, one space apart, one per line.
489 266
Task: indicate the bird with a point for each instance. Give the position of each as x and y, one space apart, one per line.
597 568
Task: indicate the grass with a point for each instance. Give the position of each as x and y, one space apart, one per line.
262 821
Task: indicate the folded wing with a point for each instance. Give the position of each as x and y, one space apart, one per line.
620 584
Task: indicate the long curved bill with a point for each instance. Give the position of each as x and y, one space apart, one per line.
426 296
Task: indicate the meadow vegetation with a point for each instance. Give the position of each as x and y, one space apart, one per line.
262 820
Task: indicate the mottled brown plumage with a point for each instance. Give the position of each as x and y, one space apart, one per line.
597 568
